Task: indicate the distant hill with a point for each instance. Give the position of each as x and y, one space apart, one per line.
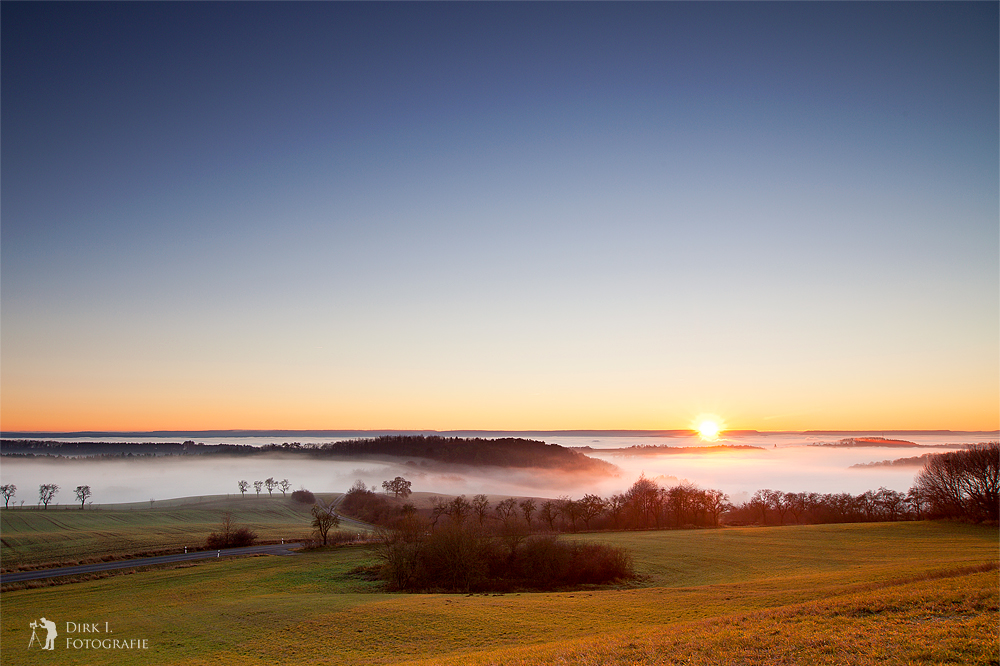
501 452
915 461
870 441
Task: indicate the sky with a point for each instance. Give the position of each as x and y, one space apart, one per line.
499 216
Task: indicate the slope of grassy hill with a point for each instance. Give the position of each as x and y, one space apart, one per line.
902 593
33 536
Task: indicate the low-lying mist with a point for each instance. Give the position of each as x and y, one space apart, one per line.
783 462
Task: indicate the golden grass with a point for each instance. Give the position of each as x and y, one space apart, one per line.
888 594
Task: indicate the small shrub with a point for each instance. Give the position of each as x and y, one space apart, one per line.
230 536
303 497
344 537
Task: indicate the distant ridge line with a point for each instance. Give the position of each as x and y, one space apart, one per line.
351 433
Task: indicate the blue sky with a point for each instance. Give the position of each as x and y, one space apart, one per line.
500 215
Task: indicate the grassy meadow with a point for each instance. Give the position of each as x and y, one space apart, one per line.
34 536
883 593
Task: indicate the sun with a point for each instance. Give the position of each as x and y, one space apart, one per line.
708 427
708 430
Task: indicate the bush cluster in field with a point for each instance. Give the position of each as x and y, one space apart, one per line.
469 553
469 557
231 535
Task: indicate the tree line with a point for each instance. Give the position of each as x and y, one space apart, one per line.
46 493
959 485
962 485
269 483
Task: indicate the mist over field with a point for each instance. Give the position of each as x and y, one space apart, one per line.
783 462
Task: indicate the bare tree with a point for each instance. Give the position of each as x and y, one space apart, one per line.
323 521
226 529
244 487
527 509
270 484
776 499
645 501
230 535
505 509
796 503
439 507
549 512
963 484
285 485
399 548
458 509
570 509
46 492
8 490
82 493
257 485
868 503
614 506
481 506
715 502
917 502
591 506
760 502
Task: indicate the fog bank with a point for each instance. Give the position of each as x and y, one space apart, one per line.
784 462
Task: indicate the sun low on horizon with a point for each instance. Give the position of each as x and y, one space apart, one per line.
709 427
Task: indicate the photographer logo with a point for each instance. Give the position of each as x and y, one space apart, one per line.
48 629
87 636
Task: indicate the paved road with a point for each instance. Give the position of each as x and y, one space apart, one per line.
273 549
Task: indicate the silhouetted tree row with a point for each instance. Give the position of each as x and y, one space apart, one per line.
270 483
962 484
646 505
915 461
774 507
959 485
101 449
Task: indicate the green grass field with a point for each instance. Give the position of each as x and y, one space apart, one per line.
34 536
899 593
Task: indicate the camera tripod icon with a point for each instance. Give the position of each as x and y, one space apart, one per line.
50 634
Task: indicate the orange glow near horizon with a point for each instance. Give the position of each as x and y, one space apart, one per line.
190 417
66 404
